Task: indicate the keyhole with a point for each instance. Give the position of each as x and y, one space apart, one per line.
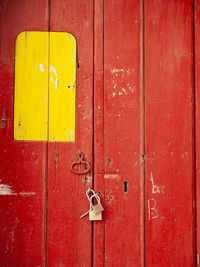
125 186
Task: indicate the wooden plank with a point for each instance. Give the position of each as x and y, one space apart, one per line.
98 230
197 143
62 87
123 134
69 237
31 86
23 164
169 136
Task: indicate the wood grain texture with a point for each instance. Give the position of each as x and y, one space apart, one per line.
23 164
62 87
69 238
31 86
197 91
99 186
169 135
123 134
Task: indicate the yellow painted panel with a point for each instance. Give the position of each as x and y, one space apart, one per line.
62 87
45 87
31 86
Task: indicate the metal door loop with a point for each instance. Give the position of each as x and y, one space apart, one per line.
81 162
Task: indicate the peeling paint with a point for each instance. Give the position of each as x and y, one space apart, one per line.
117 70
26 193
111 176
6 190
52 69
42 68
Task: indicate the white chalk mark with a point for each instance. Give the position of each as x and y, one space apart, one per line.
160 189
152 211
42 68
52 69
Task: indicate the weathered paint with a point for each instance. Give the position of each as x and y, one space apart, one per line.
31 86
69 238
122 150
22 164
169 133
45 87
98 130
197 122
123 134
62 87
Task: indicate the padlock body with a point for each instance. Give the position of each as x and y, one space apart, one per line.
95 217
97 208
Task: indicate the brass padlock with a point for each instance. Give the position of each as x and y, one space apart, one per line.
95 217
98 207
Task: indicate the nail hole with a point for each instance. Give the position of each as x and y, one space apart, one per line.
125 186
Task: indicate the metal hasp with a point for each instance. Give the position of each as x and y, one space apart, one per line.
81 162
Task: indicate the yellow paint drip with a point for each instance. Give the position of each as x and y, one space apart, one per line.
45 87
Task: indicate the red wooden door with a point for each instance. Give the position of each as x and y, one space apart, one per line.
135 124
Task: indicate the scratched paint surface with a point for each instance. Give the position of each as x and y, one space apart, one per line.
119 159
45 86
69 238
31 86
123 134
62 87
169 134
197 79
22 164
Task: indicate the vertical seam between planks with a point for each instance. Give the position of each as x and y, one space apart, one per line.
141 67
104 231
47 155
144 120
194 132
93 136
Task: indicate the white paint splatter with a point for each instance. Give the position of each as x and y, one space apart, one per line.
27 193
117 70
111 176
123 89
52 69
6 190
42 68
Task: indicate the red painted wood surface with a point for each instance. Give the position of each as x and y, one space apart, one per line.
69 238
23 164
197 91
123 134
99 226
169 133
111 113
